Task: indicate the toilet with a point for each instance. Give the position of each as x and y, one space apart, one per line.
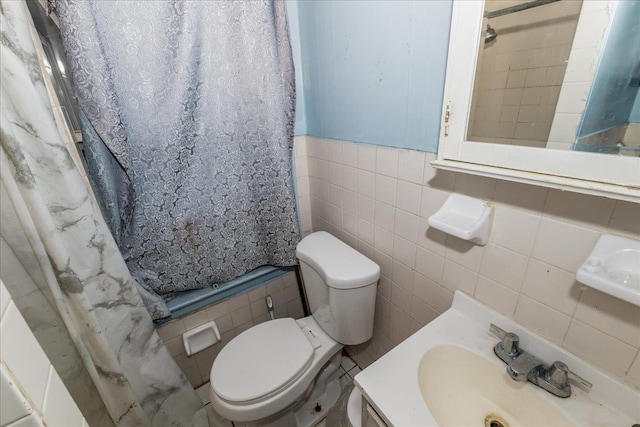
284 372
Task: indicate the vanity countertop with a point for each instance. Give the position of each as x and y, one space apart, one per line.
391 384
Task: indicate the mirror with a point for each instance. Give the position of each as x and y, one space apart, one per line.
603 26
521 70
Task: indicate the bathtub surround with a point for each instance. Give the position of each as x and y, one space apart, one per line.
202 132
192 301
378 199
66 244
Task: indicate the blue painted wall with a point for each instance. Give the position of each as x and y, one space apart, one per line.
612 96
372 71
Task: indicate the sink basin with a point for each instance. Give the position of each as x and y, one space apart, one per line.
447 374
464 389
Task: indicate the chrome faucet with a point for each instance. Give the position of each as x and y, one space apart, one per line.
523 366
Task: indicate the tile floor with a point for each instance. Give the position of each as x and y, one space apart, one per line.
348 370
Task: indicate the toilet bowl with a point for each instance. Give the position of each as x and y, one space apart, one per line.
269 368
284 372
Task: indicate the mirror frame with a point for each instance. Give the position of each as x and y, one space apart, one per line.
605 175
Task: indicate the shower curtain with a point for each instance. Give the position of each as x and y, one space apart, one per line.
188 120
54 228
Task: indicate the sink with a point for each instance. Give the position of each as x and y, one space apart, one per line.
447 374
464 389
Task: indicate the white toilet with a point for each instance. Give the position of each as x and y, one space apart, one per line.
284 372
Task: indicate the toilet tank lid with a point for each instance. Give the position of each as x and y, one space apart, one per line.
341 266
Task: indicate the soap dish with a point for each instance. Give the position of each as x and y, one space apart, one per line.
464 217
614 268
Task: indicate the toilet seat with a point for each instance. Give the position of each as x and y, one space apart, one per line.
261 361
276 401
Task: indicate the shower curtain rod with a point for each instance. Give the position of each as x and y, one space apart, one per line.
517 8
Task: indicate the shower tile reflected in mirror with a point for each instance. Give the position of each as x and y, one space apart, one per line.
521 66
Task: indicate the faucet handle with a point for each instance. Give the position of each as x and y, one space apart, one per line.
559 375
497 330
510 344
578 379
510 341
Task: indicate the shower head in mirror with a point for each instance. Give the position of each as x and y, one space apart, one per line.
489 34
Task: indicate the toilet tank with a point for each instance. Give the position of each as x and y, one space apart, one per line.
340 284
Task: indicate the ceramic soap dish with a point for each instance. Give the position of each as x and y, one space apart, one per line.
614 268
464 217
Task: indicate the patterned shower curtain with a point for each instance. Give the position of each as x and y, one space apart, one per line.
188 111
56 230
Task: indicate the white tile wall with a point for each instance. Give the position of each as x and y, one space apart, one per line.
302 176
13 404
526 271
32 392
232 316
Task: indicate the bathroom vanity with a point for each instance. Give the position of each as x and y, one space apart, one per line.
447 374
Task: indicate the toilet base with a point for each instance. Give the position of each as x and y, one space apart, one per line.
312 412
